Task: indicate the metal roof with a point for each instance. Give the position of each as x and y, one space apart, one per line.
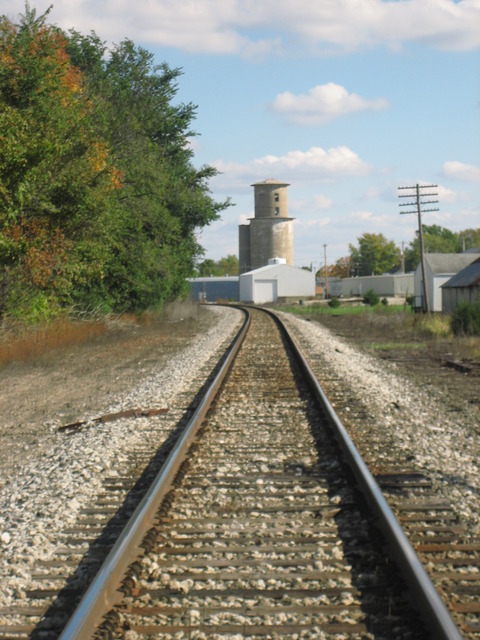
449 263
468 277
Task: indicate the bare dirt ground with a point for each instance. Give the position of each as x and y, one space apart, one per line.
78 382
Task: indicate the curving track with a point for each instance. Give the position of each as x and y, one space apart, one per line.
261 524
265 533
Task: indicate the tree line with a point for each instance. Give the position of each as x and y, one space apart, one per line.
99 196
374 254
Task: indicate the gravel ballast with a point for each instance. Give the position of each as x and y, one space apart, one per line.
404 422
46 492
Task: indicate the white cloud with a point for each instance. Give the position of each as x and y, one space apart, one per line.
445 195
369 218
322 104
256 27
461 171
322 202
315 164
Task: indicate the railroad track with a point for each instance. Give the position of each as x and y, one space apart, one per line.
447 545
264 534
261 529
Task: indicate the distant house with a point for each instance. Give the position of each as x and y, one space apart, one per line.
439 267
463 287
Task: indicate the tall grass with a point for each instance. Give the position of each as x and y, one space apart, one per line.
27 344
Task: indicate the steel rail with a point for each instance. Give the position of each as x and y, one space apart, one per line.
103 593
430 603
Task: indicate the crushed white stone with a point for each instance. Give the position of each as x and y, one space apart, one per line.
406 418
47 493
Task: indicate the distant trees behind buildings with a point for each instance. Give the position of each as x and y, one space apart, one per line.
375 255
227 266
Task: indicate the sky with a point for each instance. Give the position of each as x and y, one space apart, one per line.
344 100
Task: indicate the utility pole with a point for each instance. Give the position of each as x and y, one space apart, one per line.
418 195
326 272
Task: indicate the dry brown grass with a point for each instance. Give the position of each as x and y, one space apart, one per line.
21 344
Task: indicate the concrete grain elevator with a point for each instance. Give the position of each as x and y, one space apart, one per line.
270 233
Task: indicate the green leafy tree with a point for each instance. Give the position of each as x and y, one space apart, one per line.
469 239
229 265
225 266
164 199
436 239
374 255
55 172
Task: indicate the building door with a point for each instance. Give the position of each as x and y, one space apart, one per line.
264 291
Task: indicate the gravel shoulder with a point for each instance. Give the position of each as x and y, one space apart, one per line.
402 412
409 413
49 476
84 381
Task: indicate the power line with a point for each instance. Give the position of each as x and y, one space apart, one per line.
417 195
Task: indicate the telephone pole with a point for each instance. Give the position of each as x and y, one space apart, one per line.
326 271
417 194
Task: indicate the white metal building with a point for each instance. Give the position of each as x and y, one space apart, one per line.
391 285
276 282
439 267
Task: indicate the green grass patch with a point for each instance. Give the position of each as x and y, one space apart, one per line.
312 310
390 346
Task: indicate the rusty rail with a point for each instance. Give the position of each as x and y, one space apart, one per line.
103 594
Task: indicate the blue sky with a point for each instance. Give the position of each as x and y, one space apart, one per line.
344 99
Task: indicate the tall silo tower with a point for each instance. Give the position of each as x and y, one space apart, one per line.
270 233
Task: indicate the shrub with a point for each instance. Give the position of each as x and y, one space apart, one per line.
384 301
466 319
334 303
371 298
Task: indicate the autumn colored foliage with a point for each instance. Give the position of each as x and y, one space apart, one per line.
99 199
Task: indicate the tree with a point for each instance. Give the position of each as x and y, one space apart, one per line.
164 198
375 255
438 239
99 197
227 266
341 268
55 172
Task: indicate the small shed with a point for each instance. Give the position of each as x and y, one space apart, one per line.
276 282
439 268
463 287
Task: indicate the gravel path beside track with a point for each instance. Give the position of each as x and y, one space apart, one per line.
47 493
409 424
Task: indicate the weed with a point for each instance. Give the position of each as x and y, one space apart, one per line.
26 344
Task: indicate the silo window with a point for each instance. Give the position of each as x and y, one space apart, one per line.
277 211
277 197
